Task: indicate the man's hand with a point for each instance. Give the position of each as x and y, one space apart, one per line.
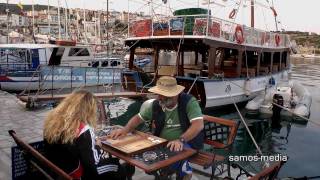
118 133
175 145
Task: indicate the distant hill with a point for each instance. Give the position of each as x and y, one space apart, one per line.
305 38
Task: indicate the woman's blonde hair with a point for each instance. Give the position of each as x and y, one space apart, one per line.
63 122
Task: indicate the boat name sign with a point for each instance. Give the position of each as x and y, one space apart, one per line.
81 75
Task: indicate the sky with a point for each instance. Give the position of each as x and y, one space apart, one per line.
292 14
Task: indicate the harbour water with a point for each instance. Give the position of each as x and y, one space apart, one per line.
303 143
298 140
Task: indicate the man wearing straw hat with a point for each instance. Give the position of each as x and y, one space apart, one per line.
174 115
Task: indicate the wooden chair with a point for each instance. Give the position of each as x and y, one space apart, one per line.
219 134
269 173
38 161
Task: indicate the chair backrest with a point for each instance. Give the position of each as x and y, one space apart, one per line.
41 162
269 173
167 70
220 133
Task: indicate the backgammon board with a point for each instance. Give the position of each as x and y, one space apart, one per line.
133 143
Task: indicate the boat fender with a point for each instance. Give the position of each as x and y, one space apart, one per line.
247 87
272 81
239 34
277 39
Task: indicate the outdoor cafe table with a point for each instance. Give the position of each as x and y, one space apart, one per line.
150 168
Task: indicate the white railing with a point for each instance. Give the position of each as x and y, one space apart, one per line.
196 25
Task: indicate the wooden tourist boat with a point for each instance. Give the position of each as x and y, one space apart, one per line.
219 61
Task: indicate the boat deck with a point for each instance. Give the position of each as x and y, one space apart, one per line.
48 97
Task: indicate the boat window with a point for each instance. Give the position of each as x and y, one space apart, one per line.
14 59
60 51
79 52
56 56
104 64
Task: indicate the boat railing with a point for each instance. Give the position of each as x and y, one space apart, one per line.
203 26
35 74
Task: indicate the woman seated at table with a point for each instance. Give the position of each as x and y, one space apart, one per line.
70 140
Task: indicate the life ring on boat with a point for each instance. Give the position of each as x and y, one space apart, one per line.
232 14
277 39
239 34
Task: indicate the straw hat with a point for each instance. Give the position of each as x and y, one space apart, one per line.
167 86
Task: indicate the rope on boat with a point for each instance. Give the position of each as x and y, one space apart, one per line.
153 79
266 163
33 75
194 82
302 117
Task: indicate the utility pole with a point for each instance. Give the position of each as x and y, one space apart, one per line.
7 11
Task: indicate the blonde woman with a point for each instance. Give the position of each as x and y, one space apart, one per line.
70 140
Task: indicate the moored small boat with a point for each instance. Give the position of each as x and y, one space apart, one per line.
291 97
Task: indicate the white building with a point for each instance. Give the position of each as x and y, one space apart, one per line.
18 20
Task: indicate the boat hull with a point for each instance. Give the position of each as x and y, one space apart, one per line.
218 92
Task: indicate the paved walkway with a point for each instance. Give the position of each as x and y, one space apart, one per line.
28 125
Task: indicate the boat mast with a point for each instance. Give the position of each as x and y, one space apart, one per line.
66 21
85 23
99 27
33 18
59 19
275 17
7 10
208 14
128 20
252 13
107 27
49 21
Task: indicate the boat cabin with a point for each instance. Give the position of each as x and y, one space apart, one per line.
20 57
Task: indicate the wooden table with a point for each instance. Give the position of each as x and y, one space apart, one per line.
150 168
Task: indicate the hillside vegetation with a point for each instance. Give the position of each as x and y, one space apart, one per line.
306 41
